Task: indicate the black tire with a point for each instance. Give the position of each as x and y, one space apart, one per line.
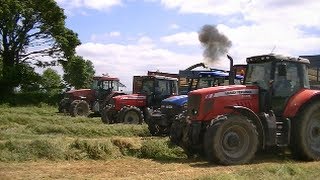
305 141
152 127
64 106
132 115
80 108
230 141
121 114
177 128
105 115
73 105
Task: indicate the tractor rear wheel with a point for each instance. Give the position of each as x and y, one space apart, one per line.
231 140
132 115
80 108
306 133
105 115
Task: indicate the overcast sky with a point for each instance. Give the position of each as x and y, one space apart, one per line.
129 37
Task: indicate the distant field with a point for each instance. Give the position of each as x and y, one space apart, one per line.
38 143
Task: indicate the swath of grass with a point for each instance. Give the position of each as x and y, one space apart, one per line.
160 149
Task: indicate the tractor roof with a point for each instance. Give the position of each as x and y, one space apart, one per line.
105 78
276 57
159 77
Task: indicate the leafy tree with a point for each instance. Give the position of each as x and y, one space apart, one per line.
51 81
28 79
78 72
29 31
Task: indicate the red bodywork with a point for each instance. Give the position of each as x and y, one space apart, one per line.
214 100
297 100
77 94
137 100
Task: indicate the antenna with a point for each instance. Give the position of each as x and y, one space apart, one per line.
274 47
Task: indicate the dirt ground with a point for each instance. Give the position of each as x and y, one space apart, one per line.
133 168
128 168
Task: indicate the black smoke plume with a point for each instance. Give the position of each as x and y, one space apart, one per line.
215 43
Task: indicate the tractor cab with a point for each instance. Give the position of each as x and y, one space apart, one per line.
278 78
105 85
155 88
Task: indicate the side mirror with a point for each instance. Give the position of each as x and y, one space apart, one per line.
282 70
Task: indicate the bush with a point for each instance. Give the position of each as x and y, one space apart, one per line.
32 98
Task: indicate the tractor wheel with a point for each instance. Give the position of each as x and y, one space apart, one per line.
73 105
177 127
80 108
63 106
306 133
133 115
232 140
121 114
105 115
152 127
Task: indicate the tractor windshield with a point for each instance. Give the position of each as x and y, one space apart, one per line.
95 85
259 74
148 86
210 82
110 85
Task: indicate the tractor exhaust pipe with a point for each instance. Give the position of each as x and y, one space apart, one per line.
231 71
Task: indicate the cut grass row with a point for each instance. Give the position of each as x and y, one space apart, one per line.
32 133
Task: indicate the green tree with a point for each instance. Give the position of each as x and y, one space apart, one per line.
78 72
29 31
51 81
27 78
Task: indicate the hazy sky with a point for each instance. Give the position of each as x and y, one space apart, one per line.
129 37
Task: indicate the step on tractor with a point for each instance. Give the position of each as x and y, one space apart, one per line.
274 108
82 102
161 119
148 92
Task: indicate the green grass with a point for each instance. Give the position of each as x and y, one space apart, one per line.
38 132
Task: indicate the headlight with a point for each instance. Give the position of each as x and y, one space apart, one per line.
167 106
194 112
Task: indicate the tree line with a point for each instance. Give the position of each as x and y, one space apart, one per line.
33 34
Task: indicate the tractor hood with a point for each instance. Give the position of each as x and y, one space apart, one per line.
80 92
176 100
130 97
136 100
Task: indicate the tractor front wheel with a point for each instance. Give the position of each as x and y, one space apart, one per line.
80 108
305 143
231 140
132 115
106 115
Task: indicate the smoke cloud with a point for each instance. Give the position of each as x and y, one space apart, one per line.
215 43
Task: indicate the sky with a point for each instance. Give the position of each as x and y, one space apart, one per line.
124 38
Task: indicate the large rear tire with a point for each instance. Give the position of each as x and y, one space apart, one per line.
231 140
305 144
133 115
80 108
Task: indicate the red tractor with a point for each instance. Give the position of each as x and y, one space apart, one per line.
274 107
82 102
148 92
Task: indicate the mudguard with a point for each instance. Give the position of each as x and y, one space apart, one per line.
298 100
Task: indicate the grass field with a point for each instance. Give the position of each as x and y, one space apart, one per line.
38 143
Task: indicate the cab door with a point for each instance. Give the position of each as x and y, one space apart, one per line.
286 83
